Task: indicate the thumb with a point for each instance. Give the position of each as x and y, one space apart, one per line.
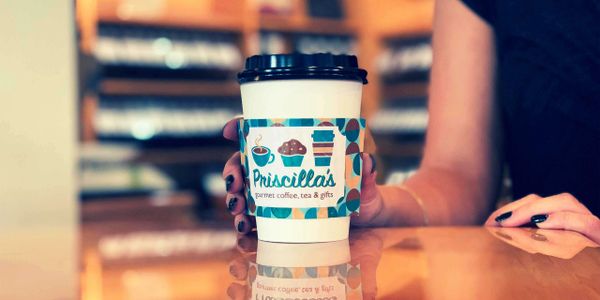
230 130
370 199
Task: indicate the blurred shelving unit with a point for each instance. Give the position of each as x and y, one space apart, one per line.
401 121
158 58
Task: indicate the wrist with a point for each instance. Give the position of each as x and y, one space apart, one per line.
400 208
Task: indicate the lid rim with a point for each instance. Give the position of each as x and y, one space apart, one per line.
302 66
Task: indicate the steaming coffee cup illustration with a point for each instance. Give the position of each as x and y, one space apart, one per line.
261 154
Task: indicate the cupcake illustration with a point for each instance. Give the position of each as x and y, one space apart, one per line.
323 147
292 153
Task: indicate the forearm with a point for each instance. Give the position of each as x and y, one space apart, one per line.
448 198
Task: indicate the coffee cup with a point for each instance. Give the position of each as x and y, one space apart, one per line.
304 271
306 109
262 155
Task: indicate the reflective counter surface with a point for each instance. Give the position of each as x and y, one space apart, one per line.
157 257
167 254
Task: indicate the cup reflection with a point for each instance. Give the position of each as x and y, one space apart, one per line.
335 270
557 243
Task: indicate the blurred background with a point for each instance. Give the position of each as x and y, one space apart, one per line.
111 182
158 82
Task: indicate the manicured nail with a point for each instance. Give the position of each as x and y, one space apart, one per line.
539 237
228 182
504 236
539 219
503 216
240 226
233 271
231 204
244 243
373 163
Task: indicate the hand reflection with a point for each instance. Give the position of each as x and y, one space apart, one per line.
556 243
239 267
358 274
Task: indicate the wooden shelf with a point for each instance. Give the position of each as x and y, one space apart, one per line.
408 149
405 34
394 18
306 25
169 87
224 25
176 203
404 89
185 155
208 15
371 23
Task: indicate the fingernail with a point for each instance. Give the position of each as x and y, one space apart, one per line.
240 226
539 237
231 203
228 182
539 219
504 236
503 216
244 243
233 271
373 163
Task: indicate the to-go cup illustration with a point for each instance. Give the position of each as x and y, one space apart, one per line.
262 155
323 147
303 173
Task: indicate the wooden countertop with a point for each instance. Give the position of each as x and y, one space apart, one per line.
161 251
177 258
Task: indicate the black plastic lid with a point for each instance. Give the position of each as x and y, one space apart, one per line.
302 66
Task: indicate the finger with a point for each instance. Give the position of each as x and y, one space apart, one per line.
369 175
522 238
524 213
230 130
238 268
586 224
370 145
370 202
237 291
365 250
232 174
247 244
244 224
236 203
506 211
564 237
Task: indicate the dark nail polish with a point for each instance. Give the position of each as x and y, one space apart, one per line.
373 162
504 236
228 182
240 226
231 204
539 219
539 237
244 243
503 216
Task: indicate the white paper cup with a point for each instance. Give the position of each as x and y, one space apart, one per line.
304 271
300 141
